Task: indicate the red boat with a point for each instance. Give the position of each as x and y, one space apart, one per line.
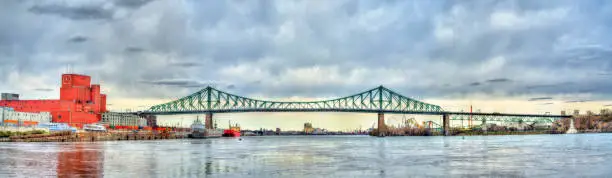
233 131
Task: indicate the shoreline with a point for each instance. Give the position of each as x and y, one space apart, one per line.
118 136
494 133
67 136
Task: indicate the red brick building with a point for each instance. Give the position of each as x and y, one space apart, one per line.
80 102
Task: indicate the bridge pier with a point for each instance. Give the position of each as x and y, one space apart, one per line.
208 122
572 127
382 128
445 125
484 125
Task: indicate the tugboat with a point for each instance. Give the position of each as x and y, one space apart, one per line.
198 131
233 131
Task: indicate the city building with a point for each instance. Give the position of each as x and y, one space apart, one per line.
319 131
308 128
151 120
79 103
10 117
121 119
9 96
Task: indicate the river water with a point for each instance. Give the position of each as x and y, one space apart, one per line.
579 155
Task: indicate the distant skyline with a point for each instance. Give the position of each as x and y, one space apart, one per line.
532 56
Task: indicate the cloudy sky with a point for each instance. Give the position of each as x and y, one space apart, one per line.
513 56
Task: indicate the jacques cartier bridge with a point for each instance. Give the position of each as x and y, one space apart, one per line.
379 100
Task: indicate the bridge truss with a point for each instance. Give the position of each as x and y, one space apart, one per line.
506 119
377 100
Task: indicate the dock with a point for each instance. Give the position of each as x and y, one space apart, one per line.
68 136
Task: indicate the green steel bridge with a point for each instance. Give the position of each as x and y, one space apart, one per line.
378 100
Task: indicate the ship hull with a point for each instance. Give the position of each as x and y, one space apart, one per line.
208 133
231 133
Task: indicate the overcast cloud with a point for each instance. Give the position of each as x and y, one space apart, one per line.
430 49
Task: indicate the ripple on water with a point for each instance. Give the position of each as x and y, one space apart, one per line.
477 156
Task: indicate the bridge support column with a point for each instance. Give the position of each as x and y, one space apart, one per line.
572 127
382 128
484 125
209 121
445 125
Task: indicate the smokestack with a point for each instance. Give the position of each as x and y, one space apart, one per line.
470 122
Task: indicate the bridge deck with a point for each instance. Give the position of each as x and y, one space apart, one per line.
376 100
351 110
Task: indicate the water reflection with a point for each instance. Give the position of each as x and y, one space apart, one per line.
207 160
80 160
492 156
27 160
51 159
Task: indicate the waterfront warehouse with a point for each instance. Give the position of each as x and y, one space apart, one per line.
80 102
114 119
10 117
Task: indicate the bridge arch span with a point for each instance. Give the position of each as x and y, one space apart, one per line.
376 100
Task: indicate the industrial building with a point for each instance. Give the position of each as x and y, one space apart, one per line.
10 117
79 103
151 120
308 128
121 119
9 96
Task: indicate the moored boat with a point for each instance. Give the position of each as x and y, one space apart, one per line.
233 131
199 131
206 133
94 128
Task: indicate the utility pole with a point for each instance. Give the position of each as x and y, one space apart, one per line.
70 117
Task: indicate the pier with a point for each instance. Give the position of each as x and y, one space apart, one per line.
67 136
